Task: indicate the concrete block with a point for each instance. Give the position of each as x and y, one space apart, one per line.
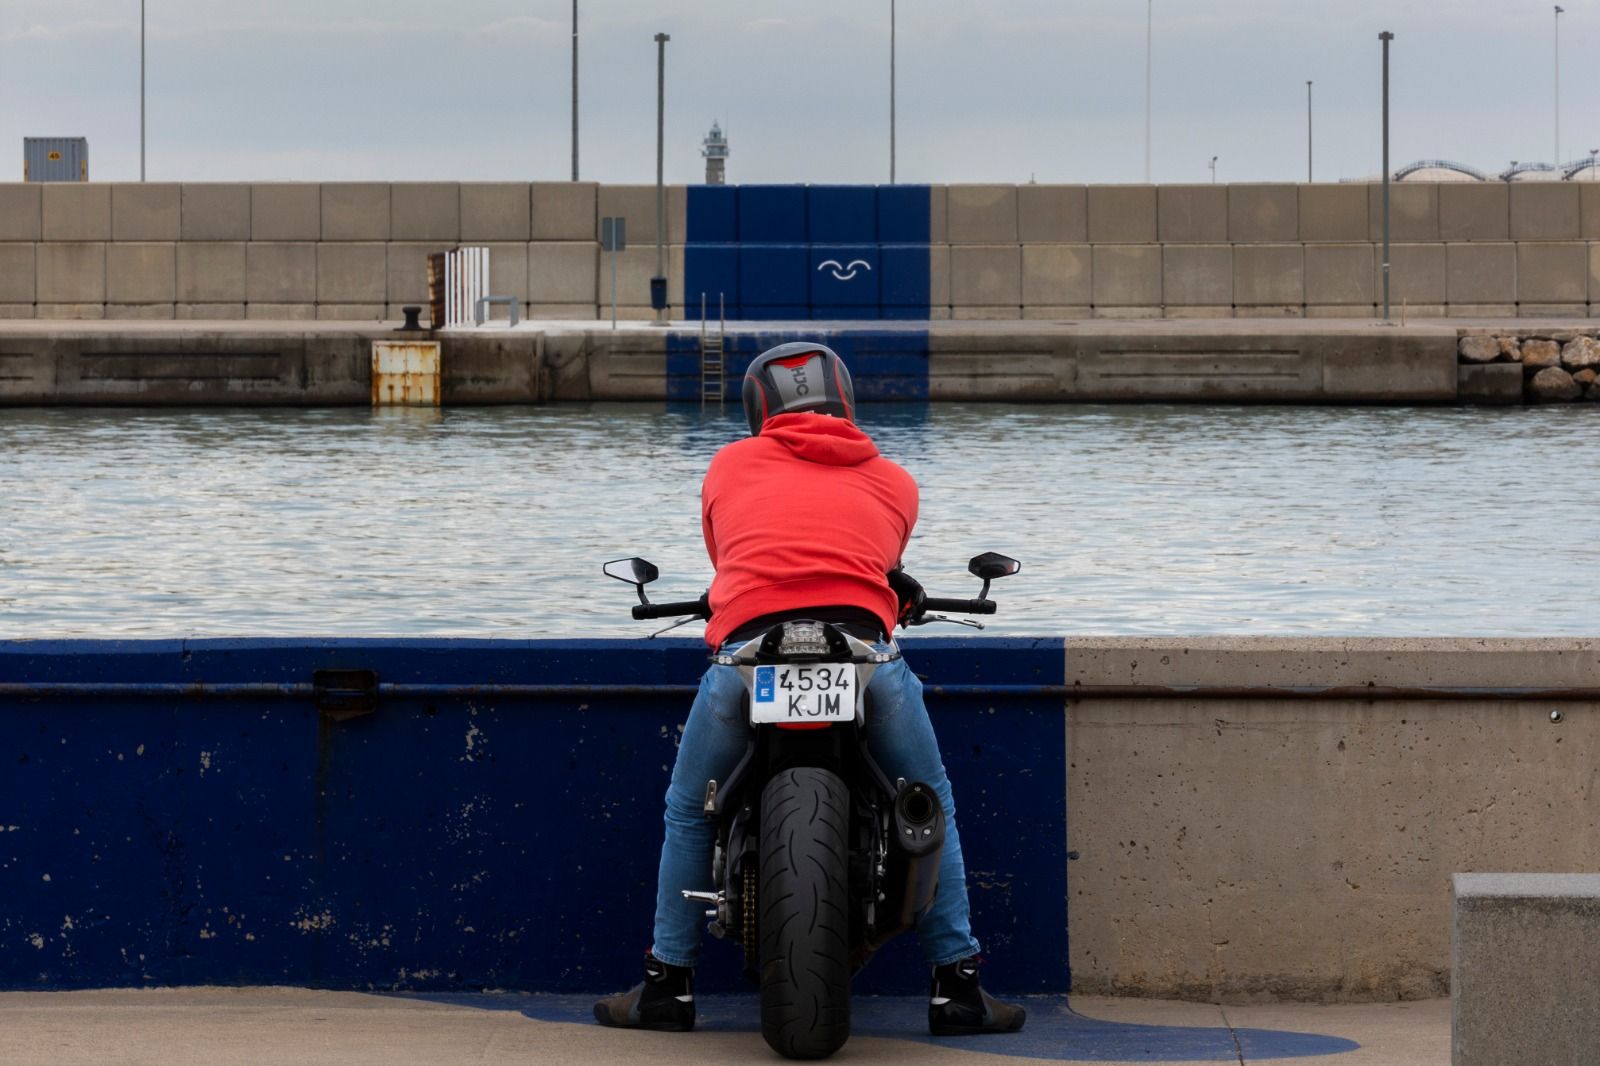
71 273
635 267
1594 273
1474 211
1055 275
1480 273
211 272
939 275
495 211
580 312
985 275
1058 312
1192 214
568 272
982 214
281 312
637 204
69 311
17 266
1456 310
1588 209
143 211
209 312
425 211
214 212
1263 214
1333 212
1545 211
73 212
1268 275
1355 311
157 312
1128 313
1176 311
14 311
351 273
407 275
1122 214
508 269
141 273
1052 214
1126 275
341 312
1416 278
1339 274
1489 383
286 211
1556 310
355 211
939 214
280 272
21 216
1390 366
565 211
1005 313
1197 275
1524 969
1552 273
1413 211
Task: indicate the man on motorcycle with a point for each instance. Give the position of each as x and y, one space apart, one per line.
804 516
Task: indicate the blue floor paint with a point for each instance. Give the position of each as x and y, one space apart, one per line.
1054 1030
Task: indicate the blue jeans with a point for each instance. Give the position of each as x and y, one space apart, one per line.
901 740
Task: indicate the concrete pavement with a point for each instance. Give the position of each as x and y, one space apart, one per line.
248 1026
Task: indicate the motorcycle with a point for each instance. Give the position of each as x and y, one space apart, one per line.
820 859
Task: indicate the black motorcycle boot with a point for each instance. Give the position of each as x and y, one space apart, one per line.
664 1000
958 1005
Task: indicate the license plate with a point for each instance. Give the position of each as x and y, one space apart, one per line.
811 692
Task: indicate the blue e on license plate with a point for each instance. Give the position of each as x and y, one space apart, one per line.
809 692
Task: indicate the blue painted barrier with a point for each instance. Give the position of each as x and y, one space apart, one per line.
885 365
180 812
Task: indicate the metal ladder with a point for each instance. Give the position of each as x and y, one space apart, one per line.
713 349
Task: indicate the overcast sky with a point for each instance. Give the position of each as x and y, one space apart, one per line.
1004 90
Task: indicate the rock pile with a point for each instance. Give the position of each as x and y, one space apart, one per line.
1555 368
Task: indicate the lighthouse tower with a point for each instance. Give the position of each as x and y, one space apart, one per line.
715 149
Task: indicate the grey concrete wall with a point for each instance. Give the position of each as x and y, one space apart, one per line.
999 251
1282 818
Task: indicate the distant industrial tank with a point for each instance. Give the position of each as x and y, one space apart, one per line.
55 159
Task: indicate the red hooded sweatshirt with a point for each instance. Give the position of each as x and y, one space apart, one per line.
807 514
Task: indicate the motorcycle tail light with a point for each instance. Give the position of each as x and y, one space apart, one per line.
802 725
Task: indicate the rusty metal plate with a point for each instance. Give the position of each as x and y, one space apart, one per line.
405 373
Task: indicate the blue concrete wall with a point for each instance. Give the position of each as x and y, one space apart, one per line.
884 364
825 252
459 837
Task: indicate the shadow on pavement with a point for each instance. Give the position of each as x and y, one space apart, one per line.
1054 1030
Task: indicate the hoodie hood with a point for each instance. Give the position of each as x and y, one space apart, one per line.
819 438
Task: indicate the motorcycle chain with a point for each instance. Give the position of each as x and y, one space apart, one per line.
747 924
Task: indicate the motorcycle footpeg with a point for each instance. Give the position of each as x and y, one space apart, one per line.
704 897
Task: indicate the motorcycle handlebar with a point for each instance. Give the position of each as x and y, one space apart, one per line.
933 603
670 610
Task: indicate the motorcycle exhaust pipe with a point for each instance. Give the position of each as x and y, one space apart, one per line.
913 874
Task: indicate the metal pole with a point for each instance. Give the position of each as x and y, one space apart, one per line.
1149 33
613 255
891 92
1557 159
1386 37
1308 133
574 90
661 192
141 90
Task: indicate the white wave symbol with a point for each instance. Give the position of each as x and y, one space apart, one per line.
842 271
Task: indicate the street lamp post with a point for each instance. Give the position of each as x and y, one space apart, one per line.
891 92
1557 159
574 90
1149 34
658 284
1386 37
1592 153
1308 132
1213 170
141 90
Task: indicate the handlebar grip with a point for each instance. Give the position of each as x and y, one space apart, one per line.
933 603
667 610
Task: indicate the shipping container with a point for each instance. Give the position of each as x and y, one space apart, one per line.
55 159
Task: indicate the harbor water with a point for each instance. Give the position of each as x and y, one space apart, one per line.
495 521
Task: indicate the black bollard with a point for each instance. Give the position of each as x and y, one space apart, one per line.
412 322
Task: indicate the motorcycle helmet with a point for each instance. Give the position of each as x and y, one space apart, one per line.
799 376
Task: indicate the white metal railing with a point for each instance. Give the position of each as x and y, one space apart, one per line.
466 280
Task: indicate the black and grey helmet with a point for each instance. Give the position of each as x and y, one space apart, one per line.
797 377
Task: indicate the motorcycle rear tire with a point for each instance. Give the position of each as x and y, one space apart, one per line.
805 925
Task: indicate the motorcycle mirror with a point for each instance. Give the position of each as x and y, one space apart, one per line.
992 565
634 571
